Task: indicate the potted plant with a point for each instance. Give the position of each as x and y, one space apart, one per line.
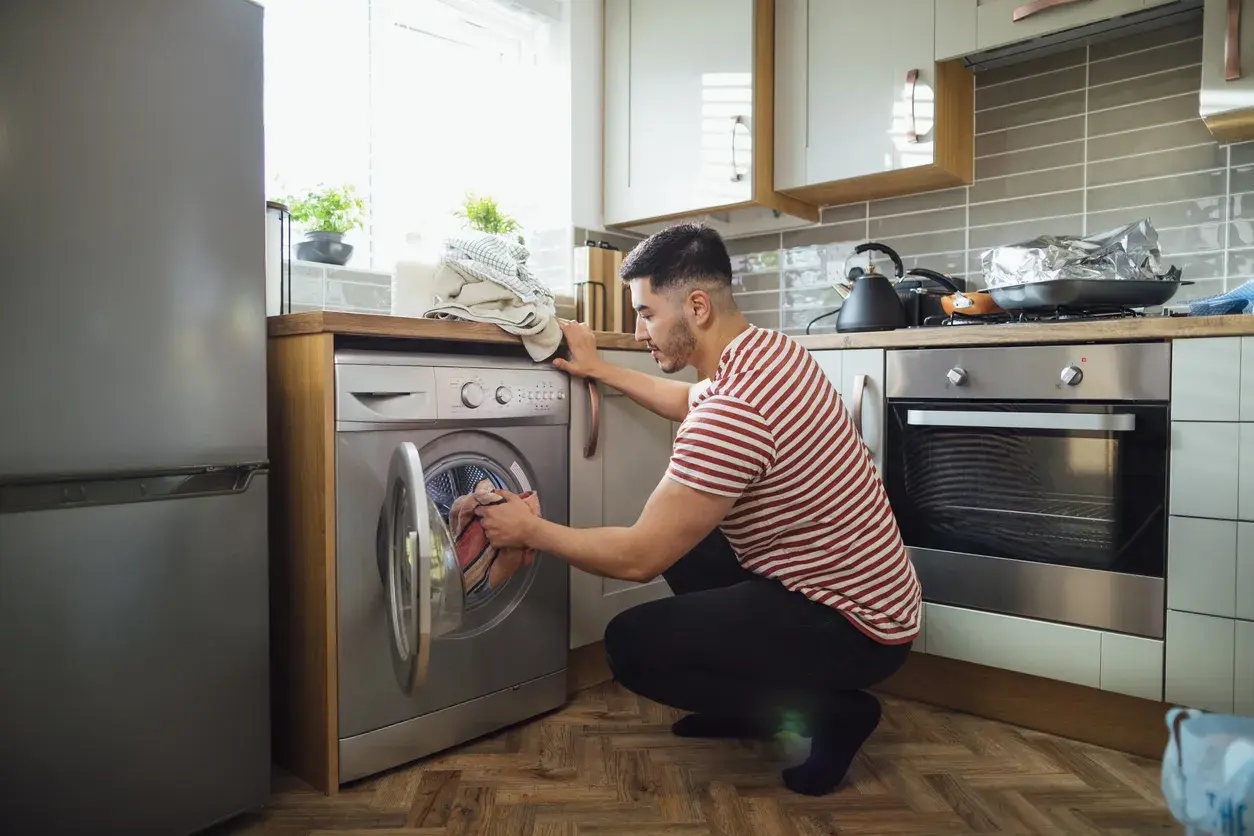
327 213
483 215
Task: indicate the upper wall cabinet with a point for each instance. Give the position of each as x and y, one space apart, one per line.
1227 97
964 27
858 117
689 115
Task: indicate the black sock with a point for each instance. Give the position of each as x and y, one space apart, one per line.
713 725
836 741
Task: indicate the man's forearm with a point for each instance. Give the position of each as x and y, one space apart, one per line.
668 398
609 552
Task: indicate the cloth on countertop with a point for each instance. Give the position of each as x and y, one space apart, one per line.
485 568
1239 300
486 279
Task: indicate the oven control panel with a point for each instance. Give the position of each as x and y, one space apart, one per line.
1106 372
486 393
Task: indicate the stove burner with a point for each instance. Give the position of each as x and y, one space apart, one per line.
1027 317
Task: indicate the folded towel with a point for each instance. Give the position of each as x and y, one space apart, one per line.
486 279
1239 300
485 568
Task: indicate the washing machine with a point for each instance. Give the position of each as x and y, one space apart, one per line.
442 639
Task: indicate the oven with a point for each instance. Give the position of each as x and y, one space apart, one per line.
1032 480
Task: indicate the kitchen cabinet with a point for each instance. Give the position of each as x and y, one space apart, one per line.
1204 469
969 26
1243 671
1201 661
1095 658
858 375
856 121
1245 571
1132 665
689 121
1202 566
1040 648
609 485
1226 100
1206 380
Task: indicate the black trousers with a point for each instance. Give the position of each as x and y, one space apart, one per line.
735 644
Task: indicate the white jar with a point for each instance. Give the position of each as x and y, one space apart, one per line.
413 291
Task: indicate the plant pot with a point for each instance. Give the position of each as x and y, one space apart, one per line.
324 248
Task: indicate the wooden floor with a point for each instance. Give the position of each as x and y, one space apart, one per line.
606 764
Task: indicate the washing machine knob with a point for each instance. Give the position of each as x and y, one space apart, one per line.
472 395
504 395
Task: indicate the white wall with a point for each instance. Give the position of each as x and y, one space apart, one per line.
586 62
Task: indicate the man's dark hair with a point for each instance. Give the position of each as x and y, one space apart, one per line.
679 254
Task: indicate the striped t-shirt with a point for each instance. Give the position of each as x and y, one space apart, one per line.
811 512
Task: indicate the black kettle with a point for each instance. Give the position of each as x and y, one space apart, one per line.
872 304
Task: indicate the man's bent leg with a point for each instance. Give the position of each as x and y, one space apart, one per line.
740 655
711 564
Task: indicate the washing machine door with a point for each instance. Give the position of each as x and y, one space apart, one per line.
425 598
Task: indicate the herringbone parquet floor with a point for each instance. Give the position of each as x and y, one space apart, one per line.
606 764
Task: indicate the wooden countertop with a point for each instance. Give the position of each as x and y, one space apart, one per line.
403 327
1151 328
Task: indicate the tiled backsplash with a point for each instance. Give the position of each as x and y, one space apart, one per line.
1073 143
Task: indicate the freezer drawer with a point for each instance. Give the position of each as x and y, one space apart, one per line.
135 646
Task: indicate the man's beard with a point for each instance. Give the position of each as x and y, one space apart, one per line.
675 354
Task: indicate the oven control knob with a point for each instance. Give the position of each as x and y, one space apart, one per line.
504 395
957 376
472 395
1072 375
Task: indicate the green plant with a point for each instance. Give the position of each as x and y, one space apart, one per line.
482 214
328 209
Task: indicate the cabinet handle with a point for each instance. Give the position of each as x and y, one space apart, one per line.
737 176
1232 42
859 390
912 134
1036 6
594 419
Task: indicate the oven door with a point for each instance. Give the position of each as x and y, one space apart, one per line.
1043 509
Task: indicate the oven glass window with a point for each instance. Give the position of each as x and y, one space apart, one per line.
1070 484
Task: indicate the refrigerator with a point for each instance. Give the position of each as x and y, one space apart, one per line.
134 646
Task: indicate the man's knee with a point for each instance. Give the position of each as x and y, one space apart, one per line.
626 643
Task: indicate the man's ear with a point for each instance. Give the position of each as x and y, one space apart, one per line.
700 305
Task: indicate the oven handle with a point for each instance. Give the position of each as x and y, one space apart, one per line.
1116 423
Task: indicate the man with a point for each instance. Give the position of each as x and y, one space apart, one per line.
793 591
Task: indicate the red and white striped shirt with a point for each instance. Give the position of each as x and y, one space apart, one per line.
811 511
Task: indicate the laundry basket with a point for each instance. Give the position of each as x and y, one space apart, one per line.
1208 772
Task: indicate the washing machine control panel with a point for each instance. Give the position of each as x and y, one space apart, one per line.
489 394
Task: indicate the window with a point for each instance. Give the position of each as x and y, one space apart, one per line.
416 103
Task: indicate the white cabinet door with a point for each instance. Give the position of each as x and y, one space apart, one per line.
1204 468
866 365
1243 685
1206 379
1040 648
996 24
1245 571
678 106
1201 657
1202 566
611 487
1219 96
955 28
849 104
1132 665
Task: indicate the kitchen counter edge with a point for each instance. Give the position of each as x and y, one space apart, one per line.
403 327
1116 330
1104 331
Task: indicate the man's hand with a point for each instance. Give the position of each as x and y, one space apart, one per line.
584 360
507 524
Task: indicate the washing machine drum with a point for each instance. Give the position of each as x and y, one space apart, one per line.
435 561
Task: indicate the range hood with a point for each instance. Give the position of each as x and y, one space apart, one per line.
1159 17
